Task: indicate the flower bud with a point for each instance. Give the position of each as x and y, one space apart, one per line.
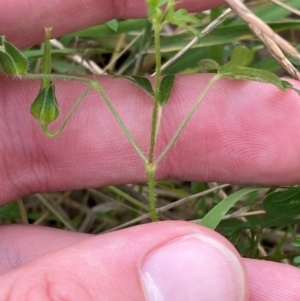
12 60
45 107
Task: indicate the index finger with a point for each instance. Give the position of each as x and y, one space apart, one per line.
23 22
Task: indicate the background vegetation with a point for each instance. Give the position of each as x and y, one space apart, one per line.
257 229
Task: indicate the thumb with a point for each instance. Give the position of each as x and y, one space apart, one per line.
155 262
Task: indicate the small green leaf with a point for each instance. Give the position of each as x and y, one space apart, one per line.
7 63
113 24
297 260
237 68
246 73
9 212
293 60
182 18
241 56
12 60
208 65
290 86
283 203
45 107
166 89
296 243
154 13
142 82
215 215
183 15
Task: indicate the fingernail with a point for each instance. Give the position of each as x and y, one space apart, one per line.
193 268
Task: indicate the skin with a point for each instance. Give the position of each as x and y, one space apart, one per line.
243 132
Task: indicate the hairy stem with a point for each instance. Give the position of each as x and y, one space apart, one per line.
100 90
150 170
56 76
187 118
155 121
47 57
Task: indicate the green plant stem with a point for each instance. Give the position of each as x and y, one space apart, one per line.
95 85
55 212
22 211
129 198
154 123
187 118
159 114
69 115
56 76
100 90
156 116
47 57
150 170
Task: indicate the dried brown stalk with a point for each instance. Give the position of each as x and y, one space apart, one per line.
275 44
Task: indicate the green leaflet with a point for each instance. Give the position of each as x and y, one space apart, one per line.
208 65
241 56
215 215
142 82
113 24
166 89
12 60
283 203
237 68
246 73
145 84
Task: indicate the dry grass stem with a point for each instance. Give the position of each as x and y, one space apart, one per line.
272 40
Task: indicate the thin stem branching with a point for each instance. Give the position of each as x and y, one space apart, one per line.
100 90
69 115
187 118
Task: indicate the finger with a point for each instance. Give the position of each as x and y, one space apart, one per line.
23 22
272 281
243 132
173 260
15 249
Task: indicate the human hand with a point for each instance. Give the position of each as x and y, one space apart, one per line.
236 136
